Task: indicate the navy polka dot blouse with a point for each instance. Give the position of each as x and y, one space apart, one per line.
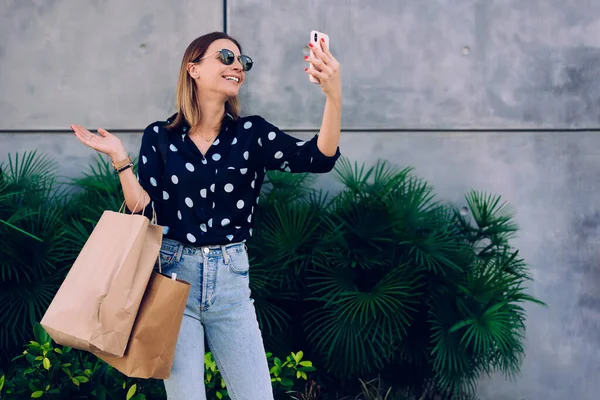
210 199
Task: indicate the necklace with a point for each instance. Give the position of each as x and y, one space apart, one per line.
206 140
211 139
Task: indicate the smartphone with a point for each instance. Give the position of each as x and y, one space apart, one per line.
315 39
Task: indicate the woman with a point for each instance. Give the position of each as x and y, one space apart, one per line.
201 171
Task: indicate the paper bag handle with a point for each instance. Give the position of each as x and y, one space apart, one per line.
154 217
153 221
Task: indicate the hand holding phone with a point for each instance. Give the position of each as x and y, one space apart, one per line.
315 40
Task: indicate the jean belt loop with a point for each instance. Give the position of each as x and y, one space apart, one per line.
225 254
179 252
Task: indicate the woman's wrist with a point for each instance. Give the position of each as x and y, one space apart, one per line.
335 99
118 156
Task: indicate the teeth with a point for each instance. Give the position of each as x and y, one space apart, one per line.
232 78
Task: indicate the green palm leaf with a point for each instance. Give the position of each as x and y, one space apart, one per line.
492 217
339 327
35 252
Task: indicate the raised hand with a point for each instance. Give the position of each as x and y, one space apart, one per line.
104 142
326 69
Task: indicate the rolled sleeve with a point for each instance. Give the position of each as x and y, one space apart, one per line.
283 152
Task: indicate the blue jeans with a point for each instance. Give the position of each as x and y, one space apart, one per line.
220 307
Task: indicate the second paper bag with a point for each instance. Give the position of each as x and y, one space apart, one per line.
151 349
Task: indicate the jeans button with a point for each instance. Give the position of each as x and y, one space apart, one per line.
206 250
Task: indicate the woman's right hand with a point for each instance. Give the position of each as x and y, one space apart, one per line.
104 142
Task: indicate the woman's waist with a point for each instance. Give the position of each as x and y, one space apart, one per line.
176 246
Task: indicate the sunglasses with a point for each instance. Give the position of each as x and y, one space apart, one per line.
227 57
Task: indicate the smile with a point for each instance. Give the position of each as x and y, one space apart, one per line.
232 78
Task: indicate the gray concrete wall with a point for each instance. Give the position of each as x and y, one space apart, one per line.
406 69
509 64
107 63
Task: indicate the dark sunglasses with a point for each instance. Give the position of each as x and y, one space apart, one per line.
227 57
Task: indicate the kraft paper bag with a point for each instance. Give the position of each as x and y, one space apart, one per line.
151 349
95 307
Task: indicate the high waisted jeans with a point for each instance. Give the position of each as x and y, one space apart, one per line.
220 307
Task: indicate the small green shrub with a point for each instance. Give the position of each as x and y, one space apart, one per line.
286 376
54 372
47 371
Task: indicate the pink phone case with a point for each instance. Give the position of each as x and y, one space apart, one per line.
315 39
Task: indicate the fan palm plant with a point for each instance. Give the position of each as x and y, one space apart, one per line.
96 191
35 252
383 278
380 278
280 250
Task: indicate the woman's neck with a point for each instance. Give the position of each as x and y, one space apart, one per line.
211 116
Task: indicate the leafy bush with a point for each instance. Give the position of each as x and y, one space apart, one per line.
54 372
385 279
286 376
379 279
35 251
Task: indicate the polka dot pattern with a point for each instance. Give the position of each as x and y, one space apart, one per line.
210 199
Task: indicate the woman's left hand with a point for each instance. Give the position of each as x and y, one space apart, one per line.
326 70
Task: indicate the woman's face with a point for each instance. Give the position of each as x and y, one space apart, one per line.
212 76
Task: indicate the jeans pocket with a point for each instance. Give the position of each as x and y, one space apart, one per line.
167 258
238 261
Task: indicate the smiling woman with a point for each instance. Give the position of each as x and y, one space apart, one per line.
201 170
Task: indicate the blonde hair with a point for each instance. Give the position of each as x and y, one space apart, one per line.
188 110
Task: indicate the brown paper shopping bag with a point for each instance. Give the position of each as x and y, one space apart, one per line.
152 343
95 307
